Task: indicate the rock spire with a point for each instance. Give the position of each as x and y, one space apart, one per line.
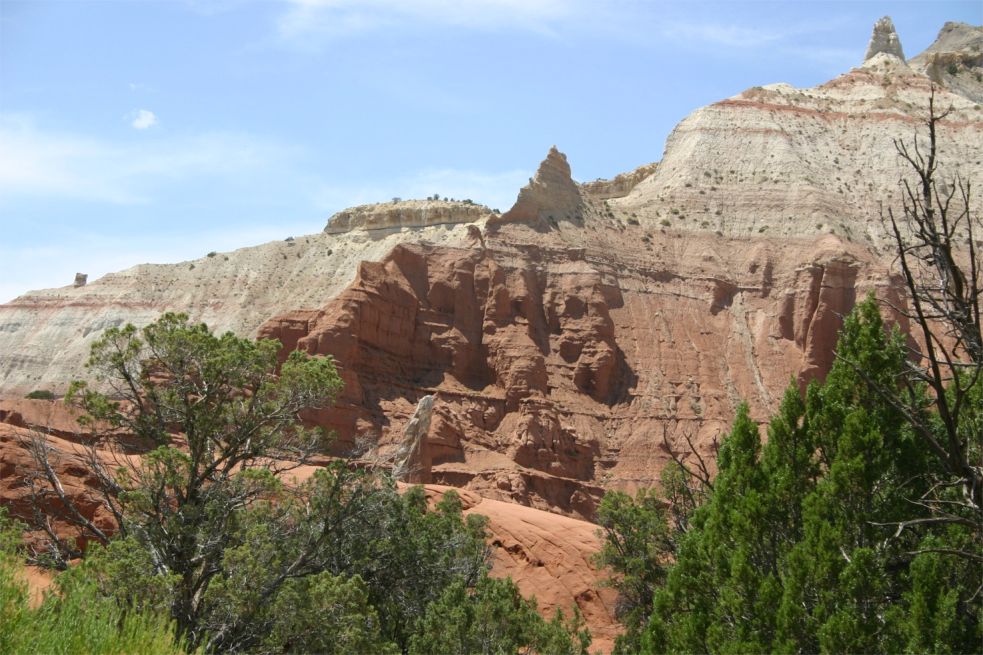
551 194
411 464
884 39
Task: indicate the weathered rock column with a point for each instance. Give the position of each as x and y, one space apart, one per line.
412 463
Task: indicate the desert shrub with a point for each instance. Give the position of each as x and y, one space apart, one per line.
74 618
208 535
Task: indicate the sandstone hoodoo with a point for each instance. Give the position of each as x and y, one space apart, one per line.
550 196
413 461
884 39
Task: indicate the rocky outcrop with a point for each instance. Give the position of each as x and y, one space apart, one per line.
45 335
884 40
782 162
619 185
549 557
412 463
955 60
550 196
560 359
401 214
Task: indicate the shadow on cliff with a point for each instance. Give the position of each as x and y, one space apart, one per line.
504 343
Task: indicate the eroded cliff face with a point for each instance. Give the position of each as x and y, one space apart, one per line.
401 214
45 335
955 60
562 357
575 342
548 556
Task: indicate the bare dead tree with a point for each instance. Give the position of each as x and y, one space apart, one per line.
935 241
688 486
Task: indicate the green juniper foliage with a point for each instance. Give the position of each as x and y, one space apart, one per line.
213 548
494 618
814 541
73 619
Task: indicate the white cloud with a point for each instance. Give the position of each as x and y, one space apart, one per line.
307 20
35 162
143 119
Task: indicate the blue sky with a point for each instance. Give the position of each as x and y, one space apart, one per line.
139 131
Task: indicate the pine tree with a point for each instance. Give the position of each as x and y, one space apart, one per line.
816 545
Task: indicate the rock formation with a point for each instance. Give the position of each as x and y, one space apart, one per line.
570 344
406 214
619 185
550 196
564 338
955 60
884 40
45 335
412 462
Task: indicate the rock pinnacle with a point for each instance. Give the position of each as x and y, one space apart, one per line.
884 39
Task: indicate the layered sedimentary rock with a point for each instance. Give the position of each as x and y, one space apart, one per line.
406 214
550 196
777 161
619 185
559 359
45 335
955 60
572 341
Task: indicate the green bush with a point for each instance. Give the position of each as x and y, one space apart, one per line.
494 618
41 394
209 536
73 619
809 541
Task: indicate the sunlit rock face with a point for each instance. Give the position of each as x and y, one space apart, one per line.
884 40
573 341
578 341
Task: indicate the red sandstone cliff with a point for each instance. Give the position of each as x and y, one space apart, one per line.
560 355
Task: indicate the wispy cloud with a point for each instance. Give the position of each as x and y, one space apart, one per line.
143 119
35 162
799 40
730 36
307 21
734 34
